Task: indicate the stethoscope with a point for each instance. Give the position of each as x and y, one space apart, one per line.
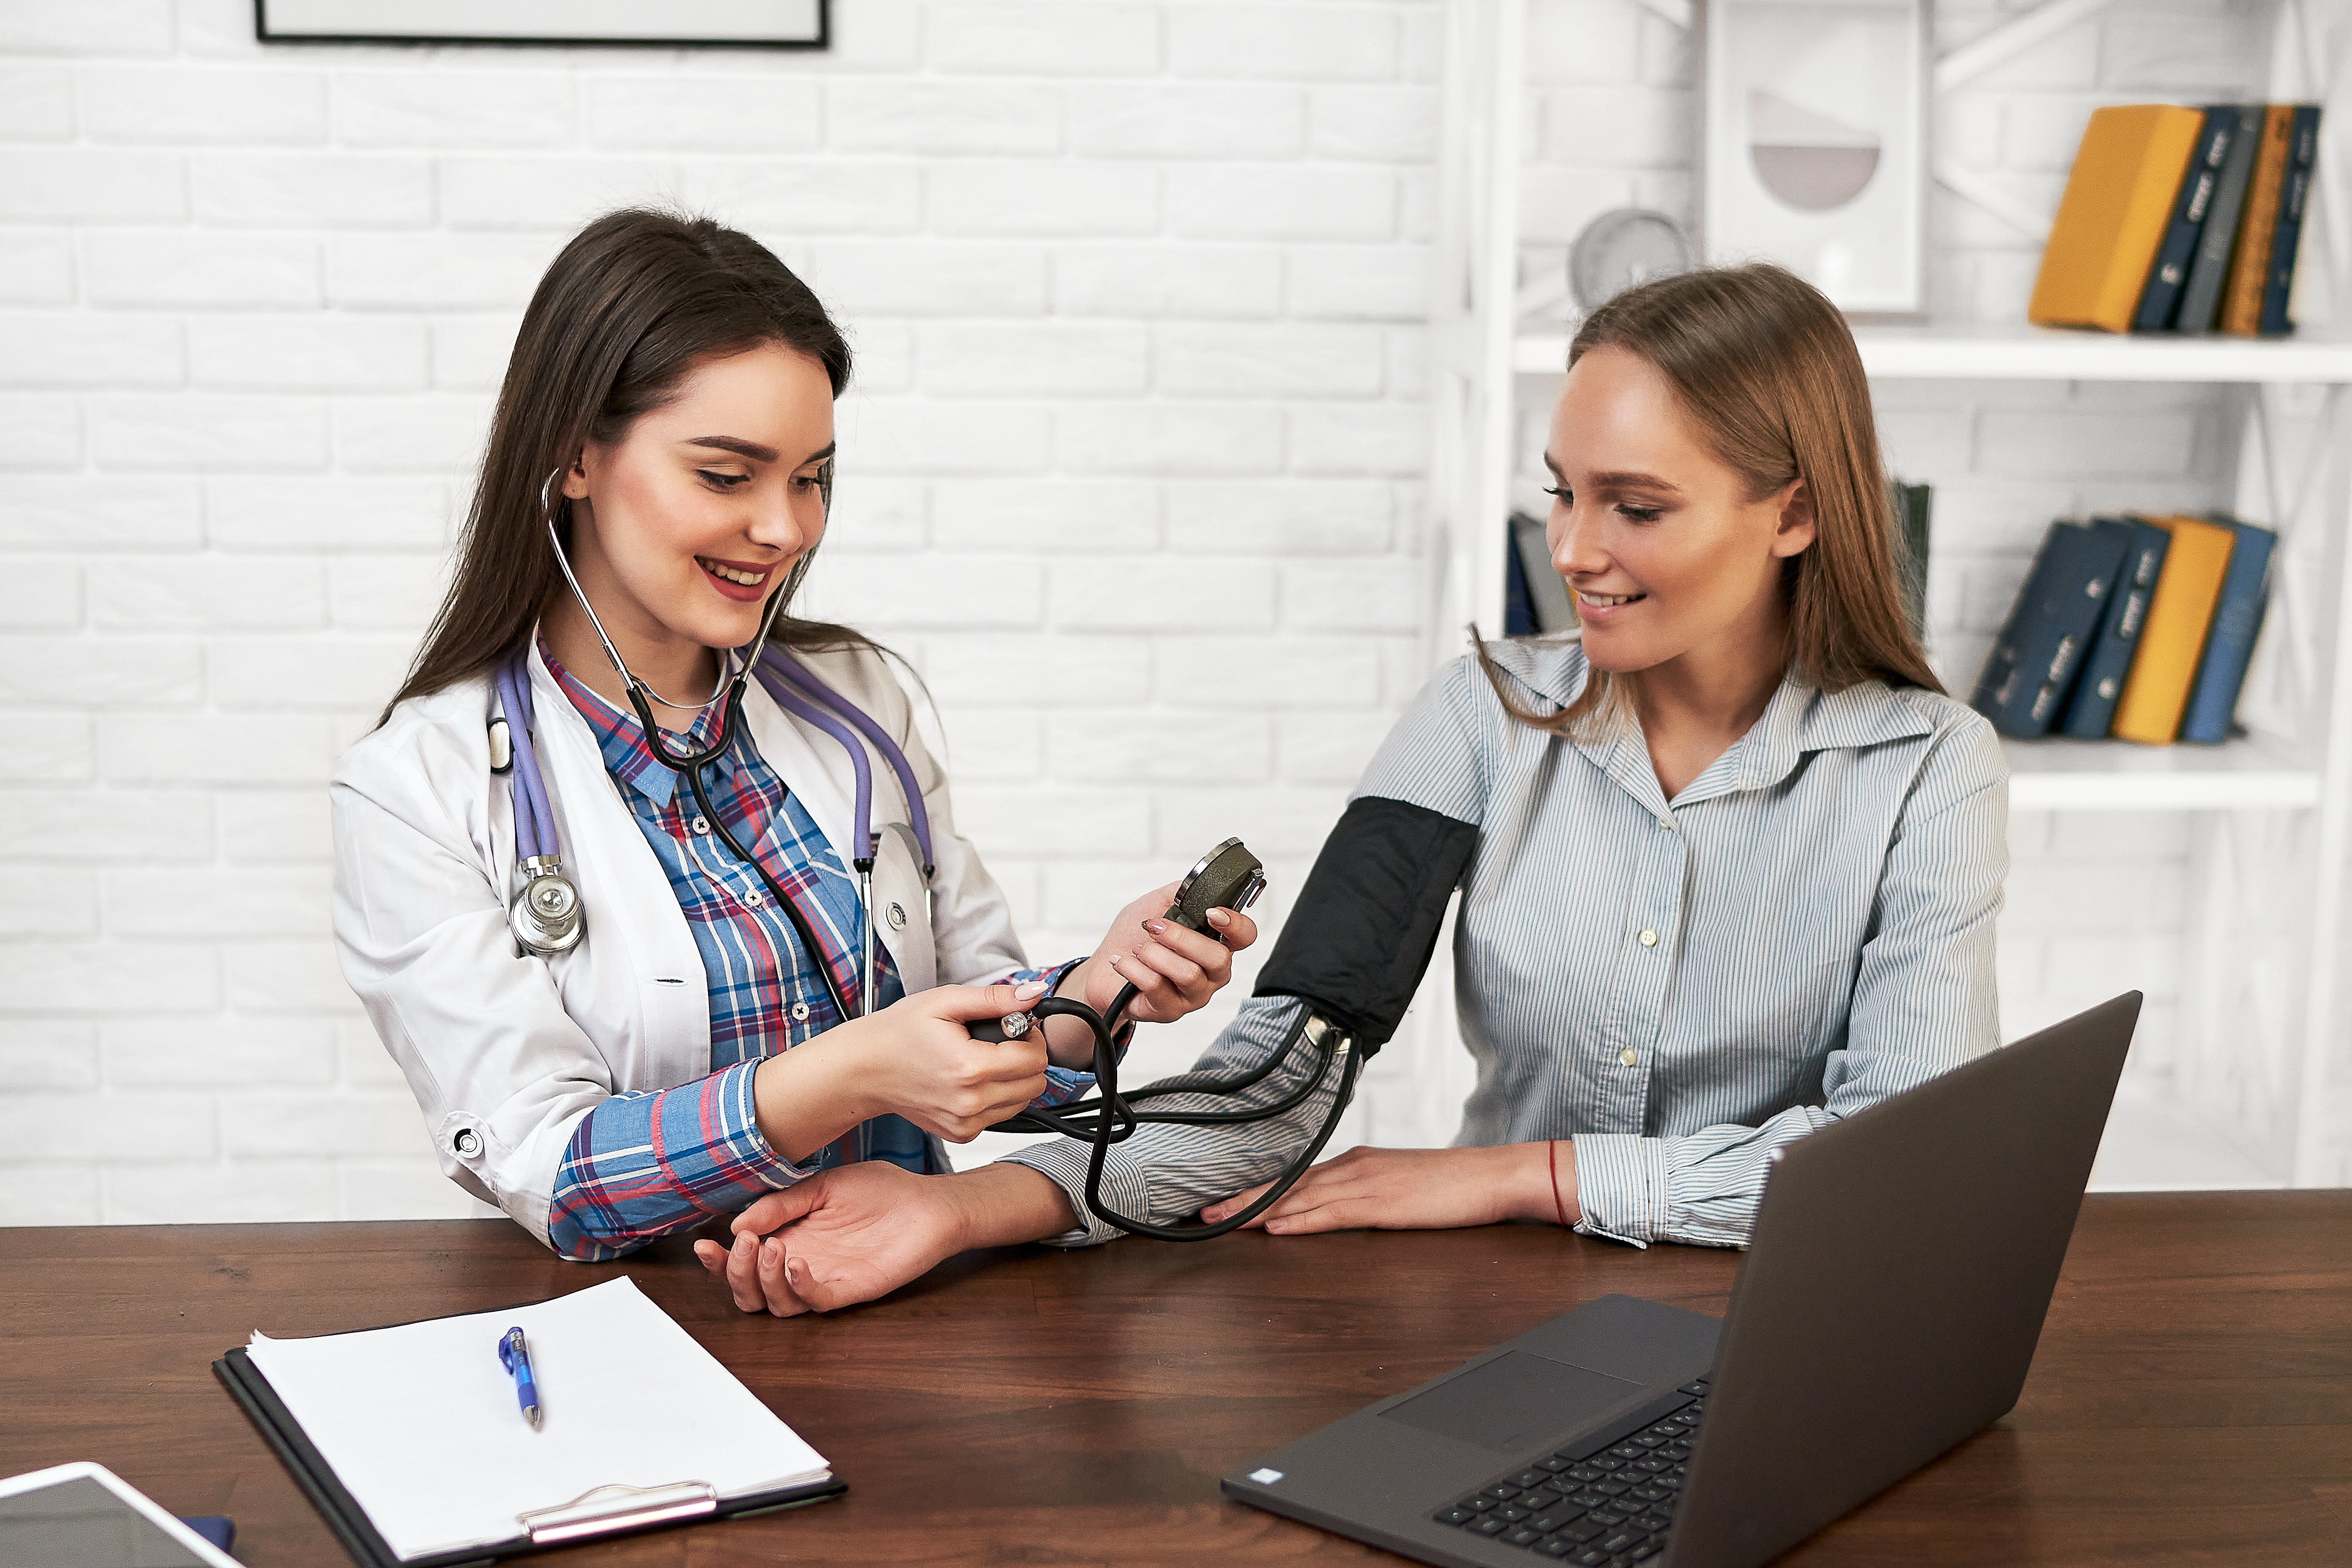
545 915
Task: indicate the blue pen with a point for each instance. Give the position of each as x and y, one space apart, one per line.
516 1359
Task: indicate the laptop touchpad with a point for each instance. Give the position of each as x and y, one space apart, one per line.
1514 1401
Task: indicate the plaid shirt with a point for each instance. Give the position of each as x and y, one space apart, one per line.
643 1164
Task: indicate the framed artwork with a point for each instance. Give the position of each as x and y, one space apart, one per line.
1813 144
753 23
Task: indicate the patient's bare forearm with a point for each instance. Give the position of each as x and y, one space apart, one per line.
1002 1205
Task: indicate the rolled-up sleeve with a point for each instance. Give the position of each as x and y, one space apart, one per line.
1163 1174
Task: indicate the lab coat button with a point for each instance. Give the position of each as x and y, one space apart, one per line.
467 1143
800 1012
898 918
1649 939
1629 1058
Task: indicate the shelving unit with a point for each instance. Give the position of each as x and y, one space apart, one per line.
2264 1054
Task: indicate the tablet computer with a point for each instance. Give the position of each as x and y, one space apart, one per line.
85 1516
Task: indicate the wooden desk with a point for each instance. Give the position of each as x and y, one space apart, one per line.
2191 1402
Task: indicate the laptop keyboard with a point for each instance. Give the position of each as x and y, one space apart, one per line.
1595 1506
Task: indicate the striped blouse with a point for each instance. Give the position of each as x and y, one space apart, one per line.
1680 987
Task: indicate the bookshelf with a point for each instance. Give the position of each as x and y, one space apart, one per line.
2038 353
2262 1055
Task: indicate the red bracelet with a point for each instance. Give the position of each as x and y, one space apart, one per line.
1551 1158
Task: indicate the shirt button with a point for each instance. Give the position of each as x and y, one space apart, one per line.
1629 1058
702 825
755 898
1662 822
1649 939
800 1012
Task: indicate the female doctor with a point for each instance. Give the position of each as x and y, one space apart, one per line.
651 890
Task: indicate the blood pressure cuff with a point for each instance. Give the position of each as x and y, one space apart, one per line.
1360 935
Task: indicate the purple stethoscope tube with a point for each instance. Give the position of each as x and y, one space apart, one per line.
534 823
780 663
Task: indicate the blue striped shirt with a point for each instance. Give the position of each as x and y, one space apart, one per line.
1680 987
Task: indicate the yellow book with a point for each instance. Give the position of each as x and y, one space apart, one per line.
2250 261
2172 639
2113 216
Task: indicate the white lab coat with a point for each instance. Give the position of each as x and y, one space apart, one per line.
513 1051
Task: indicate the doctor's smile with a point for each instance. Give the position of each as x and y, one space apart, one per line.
734 576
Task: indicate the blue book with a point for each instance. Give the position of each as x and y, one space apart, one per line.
2303 147
2159 299
2050 629
2092 711
2230 644
2217 239
1518 620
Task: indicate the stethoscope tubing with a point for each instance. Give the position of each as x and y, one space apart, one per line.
535 822
784 663
862 806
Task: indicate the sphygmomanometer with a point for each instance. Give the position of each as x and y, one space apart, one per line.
1352 952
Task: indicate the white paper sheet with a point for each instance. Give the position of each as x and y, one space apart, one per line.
421 1424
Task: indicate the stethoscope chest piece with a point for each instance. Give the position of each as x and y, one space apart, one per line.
545 915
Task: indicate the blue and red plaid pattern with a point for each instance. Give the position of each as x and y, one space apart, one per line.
643 1164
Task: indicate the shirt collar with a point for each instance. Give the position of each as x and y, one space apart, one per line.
622 739
1800 719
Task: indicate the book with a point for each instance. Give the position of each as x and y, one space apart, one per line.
2303 149
2201 296
1548 606
2250 269
1518 620
1911 506
2114 215
2159 299
2036 657
2173 639
2230 644
2091 711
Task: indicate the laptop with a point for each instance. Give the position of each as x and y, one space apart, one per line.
1901 1262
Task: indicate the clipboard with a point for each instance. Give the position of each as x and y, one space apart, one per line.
600 1513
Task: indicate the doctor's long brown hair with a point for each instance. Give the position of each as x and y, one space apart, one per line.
626 310
1763 366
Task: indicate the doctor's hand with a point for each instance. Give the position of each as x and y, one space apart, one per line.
914 1058
1174 970
919 1060
1418 1189
861 1231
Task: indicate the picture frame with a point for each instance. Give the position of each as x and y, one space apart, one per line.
1812 145
675 24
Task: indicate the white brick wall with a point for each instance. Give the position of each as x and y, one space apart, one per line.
1131 471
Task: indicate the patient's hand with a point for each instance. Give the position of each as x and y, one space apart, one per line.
856 1231
1417 1189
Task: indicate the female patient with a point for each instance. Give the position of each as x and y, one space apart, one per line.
659 473
1738 862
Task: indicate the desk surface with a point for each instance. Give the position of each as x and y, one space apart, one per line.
2191 1402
